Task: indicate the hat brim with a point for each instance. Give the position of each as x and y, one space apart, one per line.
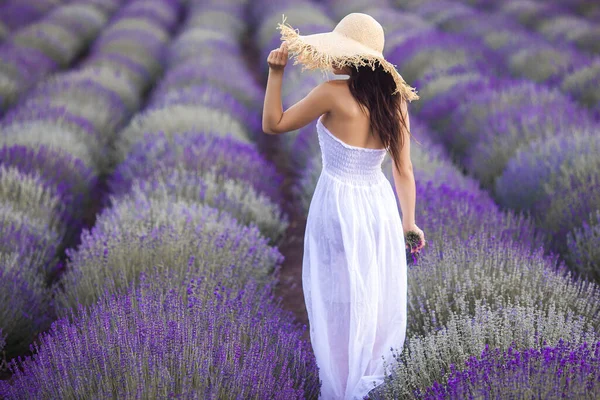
321 50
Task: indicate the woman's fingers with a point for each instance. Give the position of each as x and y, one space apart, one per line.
283 55
278 57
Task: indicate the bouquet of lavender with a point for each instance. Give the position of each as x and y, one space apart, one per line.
414 244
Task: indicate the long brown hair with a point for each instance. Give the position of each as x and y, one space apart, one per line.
373 91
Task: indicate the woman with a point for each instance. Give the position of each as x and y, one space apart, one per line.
354 272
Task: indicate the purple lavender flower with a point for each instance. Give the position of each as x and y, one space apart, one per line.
198 152
219 342
24 299
553 372
137 233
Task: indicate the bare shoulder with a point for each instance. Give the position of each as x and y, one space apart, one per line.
338 88
331 87
328 91
336 84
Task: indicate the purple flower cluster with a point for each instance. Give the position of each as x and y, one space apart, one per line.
197 151
26 253
151 342
183 238
584 247
552 372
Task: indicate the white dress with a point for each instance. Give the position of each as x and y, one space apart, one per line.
354 272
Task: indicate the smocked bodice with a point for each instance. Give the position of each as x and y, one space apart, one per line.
352 164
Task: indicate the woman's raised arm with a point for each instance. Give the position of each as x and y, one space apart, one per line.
316 103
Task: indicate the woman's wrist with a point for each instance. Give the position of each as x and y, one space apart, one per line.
408 224
275 71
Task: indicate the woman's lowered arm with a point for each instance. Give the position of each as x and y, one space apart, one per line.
404 179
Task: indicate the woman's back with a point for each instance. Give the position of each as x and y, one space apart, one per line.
348 121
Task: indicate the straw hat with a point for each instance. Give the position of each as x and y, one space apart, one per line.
357 40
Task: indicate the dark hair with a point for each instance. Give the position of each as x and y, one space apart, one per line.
373 88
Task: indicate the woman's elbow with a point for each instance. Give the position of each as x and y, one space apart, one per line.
267 129
405 171
272 130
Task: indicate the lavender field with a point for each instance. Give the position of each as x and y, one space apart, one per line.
149 229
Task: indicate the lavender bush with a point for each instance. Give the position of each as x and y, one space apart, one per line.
297 14
494 271
585 35
107 77
529 12
473 113
306 183
15 14
186 45
572 195
56 40
583 246
135 72
74 180
2 343
244 87
244 203
219 20
523 183
552 63
212 96
551 372
425 360
34 245
504 132
24 300
442 205
30 195
56 137
139 233
178 119
431 52
152 342
582 83
431 162
89 100
200 152
162 13
42 47
84 20
440 93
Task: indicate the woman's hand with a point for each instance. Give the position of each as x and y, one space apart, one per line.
278 58
415 228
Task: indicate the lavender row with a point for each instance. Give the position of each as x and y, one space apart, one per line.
37 185
35 51
520 52
555 22
15 14
173 266
504 131
54 145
